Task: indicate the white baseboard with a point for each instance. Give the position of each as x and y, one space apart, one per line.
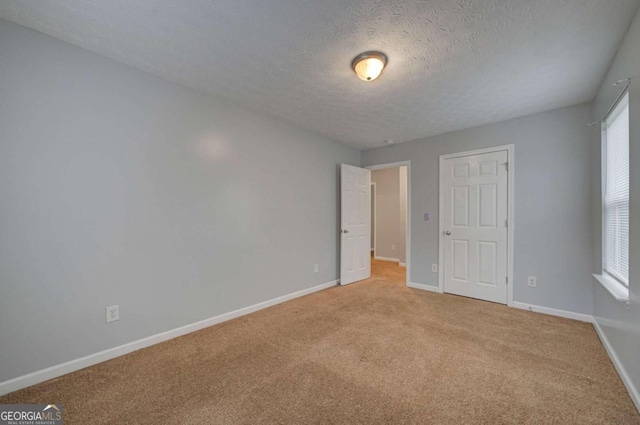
92 359
553 312
395 260
423 287
403 264
624 376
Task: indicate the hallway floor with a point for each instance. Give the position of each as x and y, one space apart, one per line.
388 271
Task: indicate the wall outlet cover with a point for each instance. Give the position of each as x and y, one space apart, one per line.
434 268
532 281
113 313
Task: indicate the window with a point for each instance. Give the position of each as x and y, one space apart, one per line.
616 193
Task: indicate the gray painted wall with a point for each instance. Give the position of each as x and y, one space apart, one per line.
621 327
552 201
118 187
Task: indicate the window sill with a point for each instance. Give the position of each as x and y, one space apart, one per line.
615 288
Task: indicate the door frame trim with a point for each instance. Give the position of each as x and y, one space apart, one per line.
407 252
510 204
374 217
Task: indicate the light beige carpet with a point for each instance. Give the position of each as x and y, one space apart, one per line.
371 352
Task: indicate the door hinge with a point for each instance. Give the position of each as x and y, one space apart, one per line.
506 223
507 279
506 166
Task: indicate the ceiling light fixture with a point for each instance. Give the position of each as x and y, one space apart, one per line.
369 65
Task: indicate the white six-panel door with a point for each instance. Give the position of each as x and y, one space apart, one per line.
475 226
355 234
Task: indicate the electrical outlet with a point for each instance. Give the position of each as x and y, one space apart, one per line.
393 247
434 268
532 281
113 313
315 268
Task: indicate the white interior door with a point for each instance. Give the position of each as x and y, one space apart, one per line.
475 226
355 234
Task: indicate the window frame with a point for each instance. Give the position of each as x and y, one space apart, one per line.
622 99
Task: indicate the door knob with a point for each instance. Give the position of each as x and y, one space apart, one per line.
447 233
345 231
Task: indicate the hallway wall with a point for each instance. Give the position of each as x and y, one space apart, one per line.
391 212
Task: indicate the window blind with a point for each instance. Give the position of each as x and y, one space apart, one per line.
616 195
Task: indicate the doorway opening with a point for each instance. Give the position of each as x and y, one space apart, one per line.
390 222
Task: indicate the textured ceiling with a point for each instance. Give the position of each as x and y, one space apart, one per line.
453 64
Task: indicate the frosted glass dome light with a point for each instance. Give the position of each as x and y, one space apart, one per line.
369 65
